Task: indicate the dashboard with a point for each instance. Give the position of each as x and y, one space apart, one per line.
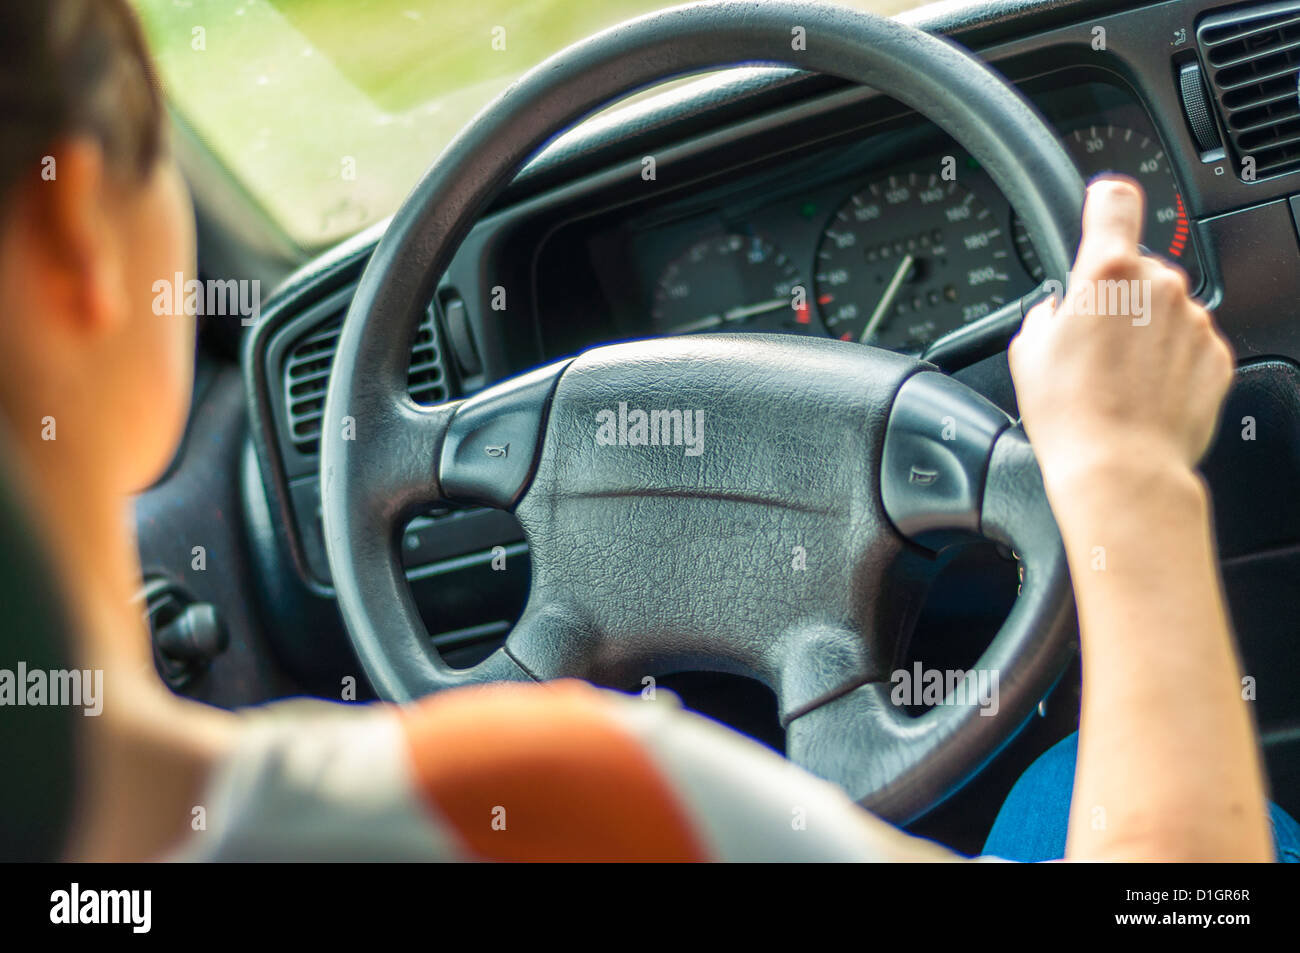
851 218
894 240
780 202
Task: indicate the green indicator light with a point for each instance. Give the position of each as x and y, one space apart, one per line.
971 163
808 210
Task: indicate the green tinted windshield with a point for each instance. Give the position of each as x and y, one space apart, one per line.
326 111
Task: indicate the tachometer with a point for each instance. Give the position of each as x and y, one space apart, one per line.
1097 149
732 282
910 258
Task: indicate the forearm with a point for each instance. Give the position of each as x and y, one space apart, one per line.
1168 762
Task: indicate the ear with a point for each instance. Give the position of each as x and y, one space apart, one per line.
73 244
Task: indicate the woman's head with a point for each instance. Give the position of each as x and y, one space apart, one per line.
92 214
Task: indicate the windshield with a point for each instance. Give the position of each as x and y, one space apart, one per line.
326 112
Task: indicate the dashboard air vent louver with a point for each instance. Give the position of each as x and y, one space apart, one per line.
307 368
1252 59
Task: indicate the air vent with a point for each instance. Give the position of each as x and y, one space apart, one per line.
1252 60
306 376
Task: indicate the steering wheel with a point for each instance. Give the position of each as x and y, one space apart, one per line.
767 505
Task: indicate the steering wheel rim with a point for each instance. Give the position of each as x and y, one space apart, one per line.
382 456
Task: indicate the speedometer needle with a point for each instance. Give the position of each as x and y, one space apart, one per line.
735 314
887 301
739 314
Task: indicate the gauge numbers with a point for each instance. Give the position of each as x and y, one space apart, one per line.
910 258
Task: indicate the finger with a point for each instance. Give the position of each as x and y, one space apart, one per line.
1112 216
1038 315
1039 312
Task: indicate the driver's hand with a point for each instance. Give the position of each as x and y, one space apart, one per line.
1105 381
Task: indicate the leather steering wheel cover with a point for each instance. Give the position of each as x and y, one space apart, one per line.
366 480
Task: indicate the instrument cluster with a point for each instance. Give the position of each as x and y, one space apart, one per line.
896 253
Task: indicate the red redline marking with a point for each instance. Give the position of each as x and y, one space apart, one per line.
1181 231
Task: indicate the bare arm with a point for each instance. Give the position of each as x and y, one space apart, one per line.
1120 408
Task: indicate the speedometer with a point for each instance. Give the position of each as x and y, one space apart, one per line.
909 258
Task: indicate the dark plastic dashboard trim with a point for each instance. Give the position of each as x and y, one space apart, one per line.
296 298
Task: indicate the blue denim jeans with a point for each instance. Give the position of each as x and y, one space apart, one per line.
1031 825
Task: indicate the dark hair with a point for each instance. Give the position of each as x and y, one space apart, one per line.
76 67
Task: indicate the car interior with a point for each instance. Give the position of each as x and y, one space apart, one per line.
911 213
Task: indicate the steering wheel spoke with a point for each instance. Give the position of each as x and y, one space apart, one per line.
899 765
